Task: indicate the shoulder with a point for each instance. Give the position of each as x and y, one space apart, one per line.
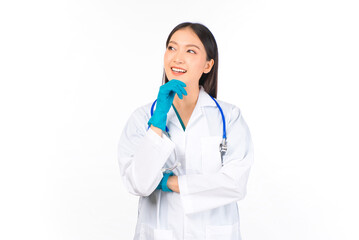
140 116
143 110
236 125
231 111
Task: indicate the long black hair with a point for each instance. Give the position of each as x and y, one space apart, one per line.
207 80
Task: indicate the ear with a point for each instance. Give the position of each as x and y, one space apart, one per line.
208 66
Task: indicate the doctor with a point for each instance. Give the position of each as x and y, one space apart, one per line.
196 196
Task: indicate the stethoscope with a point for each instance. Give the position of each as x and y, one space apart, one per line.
223 144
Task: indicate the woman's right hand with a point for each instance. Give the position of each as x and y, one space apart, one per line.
165 98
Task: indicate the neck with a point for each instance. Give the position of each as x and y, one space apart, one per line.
188 102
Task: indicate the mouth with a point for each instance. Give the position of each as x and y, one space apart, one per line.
178 71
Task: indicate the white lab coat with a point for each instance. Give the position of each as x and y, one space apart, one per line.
206 207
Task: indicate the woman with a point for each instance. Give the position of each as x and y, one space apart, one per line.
196 197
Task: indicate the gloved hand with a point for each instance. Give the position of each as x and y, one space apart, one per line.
163 184
164 101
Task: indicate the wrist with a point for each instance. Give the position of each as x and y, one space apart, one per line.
158 120
172 183
156 130
165 182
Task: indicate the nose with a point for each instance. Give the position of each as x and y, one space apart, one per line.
178 58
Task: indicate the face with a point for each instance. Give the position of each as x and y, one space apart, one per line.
185 57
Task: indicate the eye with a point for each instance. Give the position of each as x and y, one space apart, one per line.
191 51
170 48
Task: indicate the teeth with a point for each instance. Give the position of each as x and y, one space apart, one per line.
178 70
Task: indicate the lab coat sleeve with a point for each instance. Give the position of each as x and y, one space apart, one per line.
141 155
200 192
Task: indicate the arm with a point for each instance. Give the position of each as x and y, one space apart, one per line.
142 154
229 183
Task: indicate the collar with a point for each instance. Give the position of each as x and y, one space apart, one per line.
204 99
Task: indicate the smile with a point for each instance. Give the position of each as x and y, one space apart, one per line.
179 70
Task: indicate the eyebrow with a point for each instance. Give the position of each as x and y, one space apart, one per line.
188 45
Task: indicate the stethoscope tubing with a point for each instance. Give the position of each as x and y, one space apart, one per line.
224 136
223 119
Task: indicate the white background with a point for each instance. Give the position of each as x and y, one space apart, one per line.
72 72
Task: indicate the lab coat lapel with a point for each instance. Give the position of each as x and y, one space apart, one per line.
172 119
203 100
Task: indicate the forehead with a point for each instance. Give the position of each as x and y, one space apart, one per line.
186 36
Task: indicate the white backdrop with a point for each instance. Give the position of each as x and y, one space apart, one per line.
72 72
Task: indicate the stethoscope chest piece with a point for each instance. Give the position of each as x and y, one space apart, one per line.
223 148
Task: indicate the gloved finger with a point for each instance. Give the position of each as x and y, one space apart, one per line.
167 89
180 95
171 94
178 82
179 91
172 87
172 84
183 90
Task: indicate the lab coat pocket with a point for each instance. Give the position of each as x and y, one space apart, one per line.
149 233
211 157
224 232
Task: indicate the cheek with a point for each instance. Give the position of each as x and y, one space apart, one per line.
166 61
165 58
199 65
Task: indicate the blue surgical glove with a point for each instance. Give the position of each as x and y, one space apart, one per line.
163 184
165 98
